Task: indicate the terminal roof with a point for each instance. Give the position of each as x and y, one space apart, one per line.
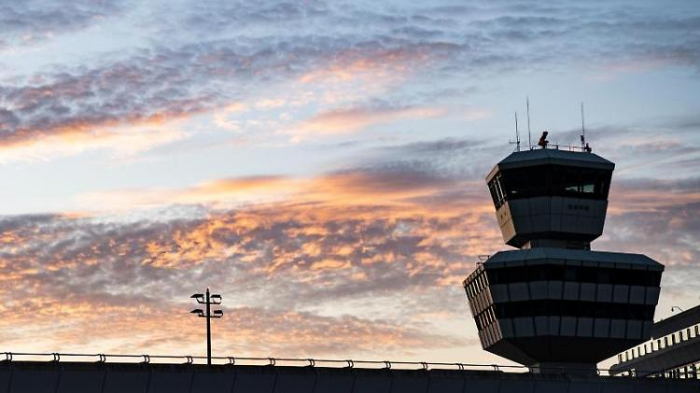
677 322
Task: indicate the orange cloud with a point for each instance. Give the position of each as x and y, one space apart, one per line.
378 188
647 195
393 186
382 66
136 136
247 189
612 70
279 259
98 327
351 120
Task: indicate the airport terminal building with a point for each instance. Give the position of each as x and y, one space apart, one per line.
673 350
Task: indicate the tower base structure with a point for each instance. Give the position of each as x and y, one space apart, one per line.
552 308
579 369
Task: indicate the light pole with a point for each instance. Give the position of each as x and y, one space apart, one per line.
207 300
674 308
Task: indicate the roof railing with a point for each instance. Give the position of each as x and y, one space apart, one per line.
556 146
10 357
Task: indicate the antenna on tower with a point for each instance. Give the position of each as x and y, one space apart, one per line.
583 126
529 137
517 134
584 145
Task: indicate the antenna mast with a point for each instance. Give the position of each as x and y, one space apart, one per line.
583 129
529 137
517 134
584 145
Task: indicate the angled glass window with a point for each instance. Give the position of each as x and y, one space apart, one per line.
553 180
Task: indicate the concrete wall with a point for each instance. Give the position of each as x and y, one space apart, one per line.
40 377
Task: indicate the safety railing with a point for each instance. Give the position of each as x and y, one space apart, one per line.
559 146
9 357
480 259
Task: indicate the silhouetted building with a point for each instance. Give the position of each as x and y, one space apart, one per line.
554 303
72 377
672 352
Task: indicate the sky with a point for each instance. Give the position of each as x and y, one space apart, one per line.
319 164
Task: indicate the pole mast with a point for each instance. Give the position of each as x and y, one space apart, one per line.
208 315
529 137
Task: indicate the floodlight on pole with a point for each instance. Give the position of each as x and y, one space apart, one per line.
207 299
199 297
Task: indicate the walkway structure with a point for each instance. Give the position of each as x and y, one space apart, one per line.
672 352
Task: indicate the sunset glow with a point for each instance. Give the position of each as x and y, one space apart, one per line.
319 164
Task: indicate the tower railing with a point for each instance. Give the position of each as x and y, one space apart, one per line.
557 146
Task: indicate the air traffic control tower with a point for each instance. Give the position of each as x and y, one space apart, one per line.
553 303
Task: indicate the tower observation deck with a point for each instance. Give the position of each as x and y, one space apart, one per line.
553 302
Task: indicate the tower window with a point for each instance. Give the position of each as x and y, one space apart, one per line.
550 180
497 191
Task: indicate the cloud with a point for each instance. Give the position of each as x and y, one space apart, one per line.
390 63
352 223
385 182
660 222
219 16
122 141
290 263
350 120
171 329
356 240
651 195
438 147
657 149
358 234
227 191
156 86
28 22
180 78
65 105
406 224
360 118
